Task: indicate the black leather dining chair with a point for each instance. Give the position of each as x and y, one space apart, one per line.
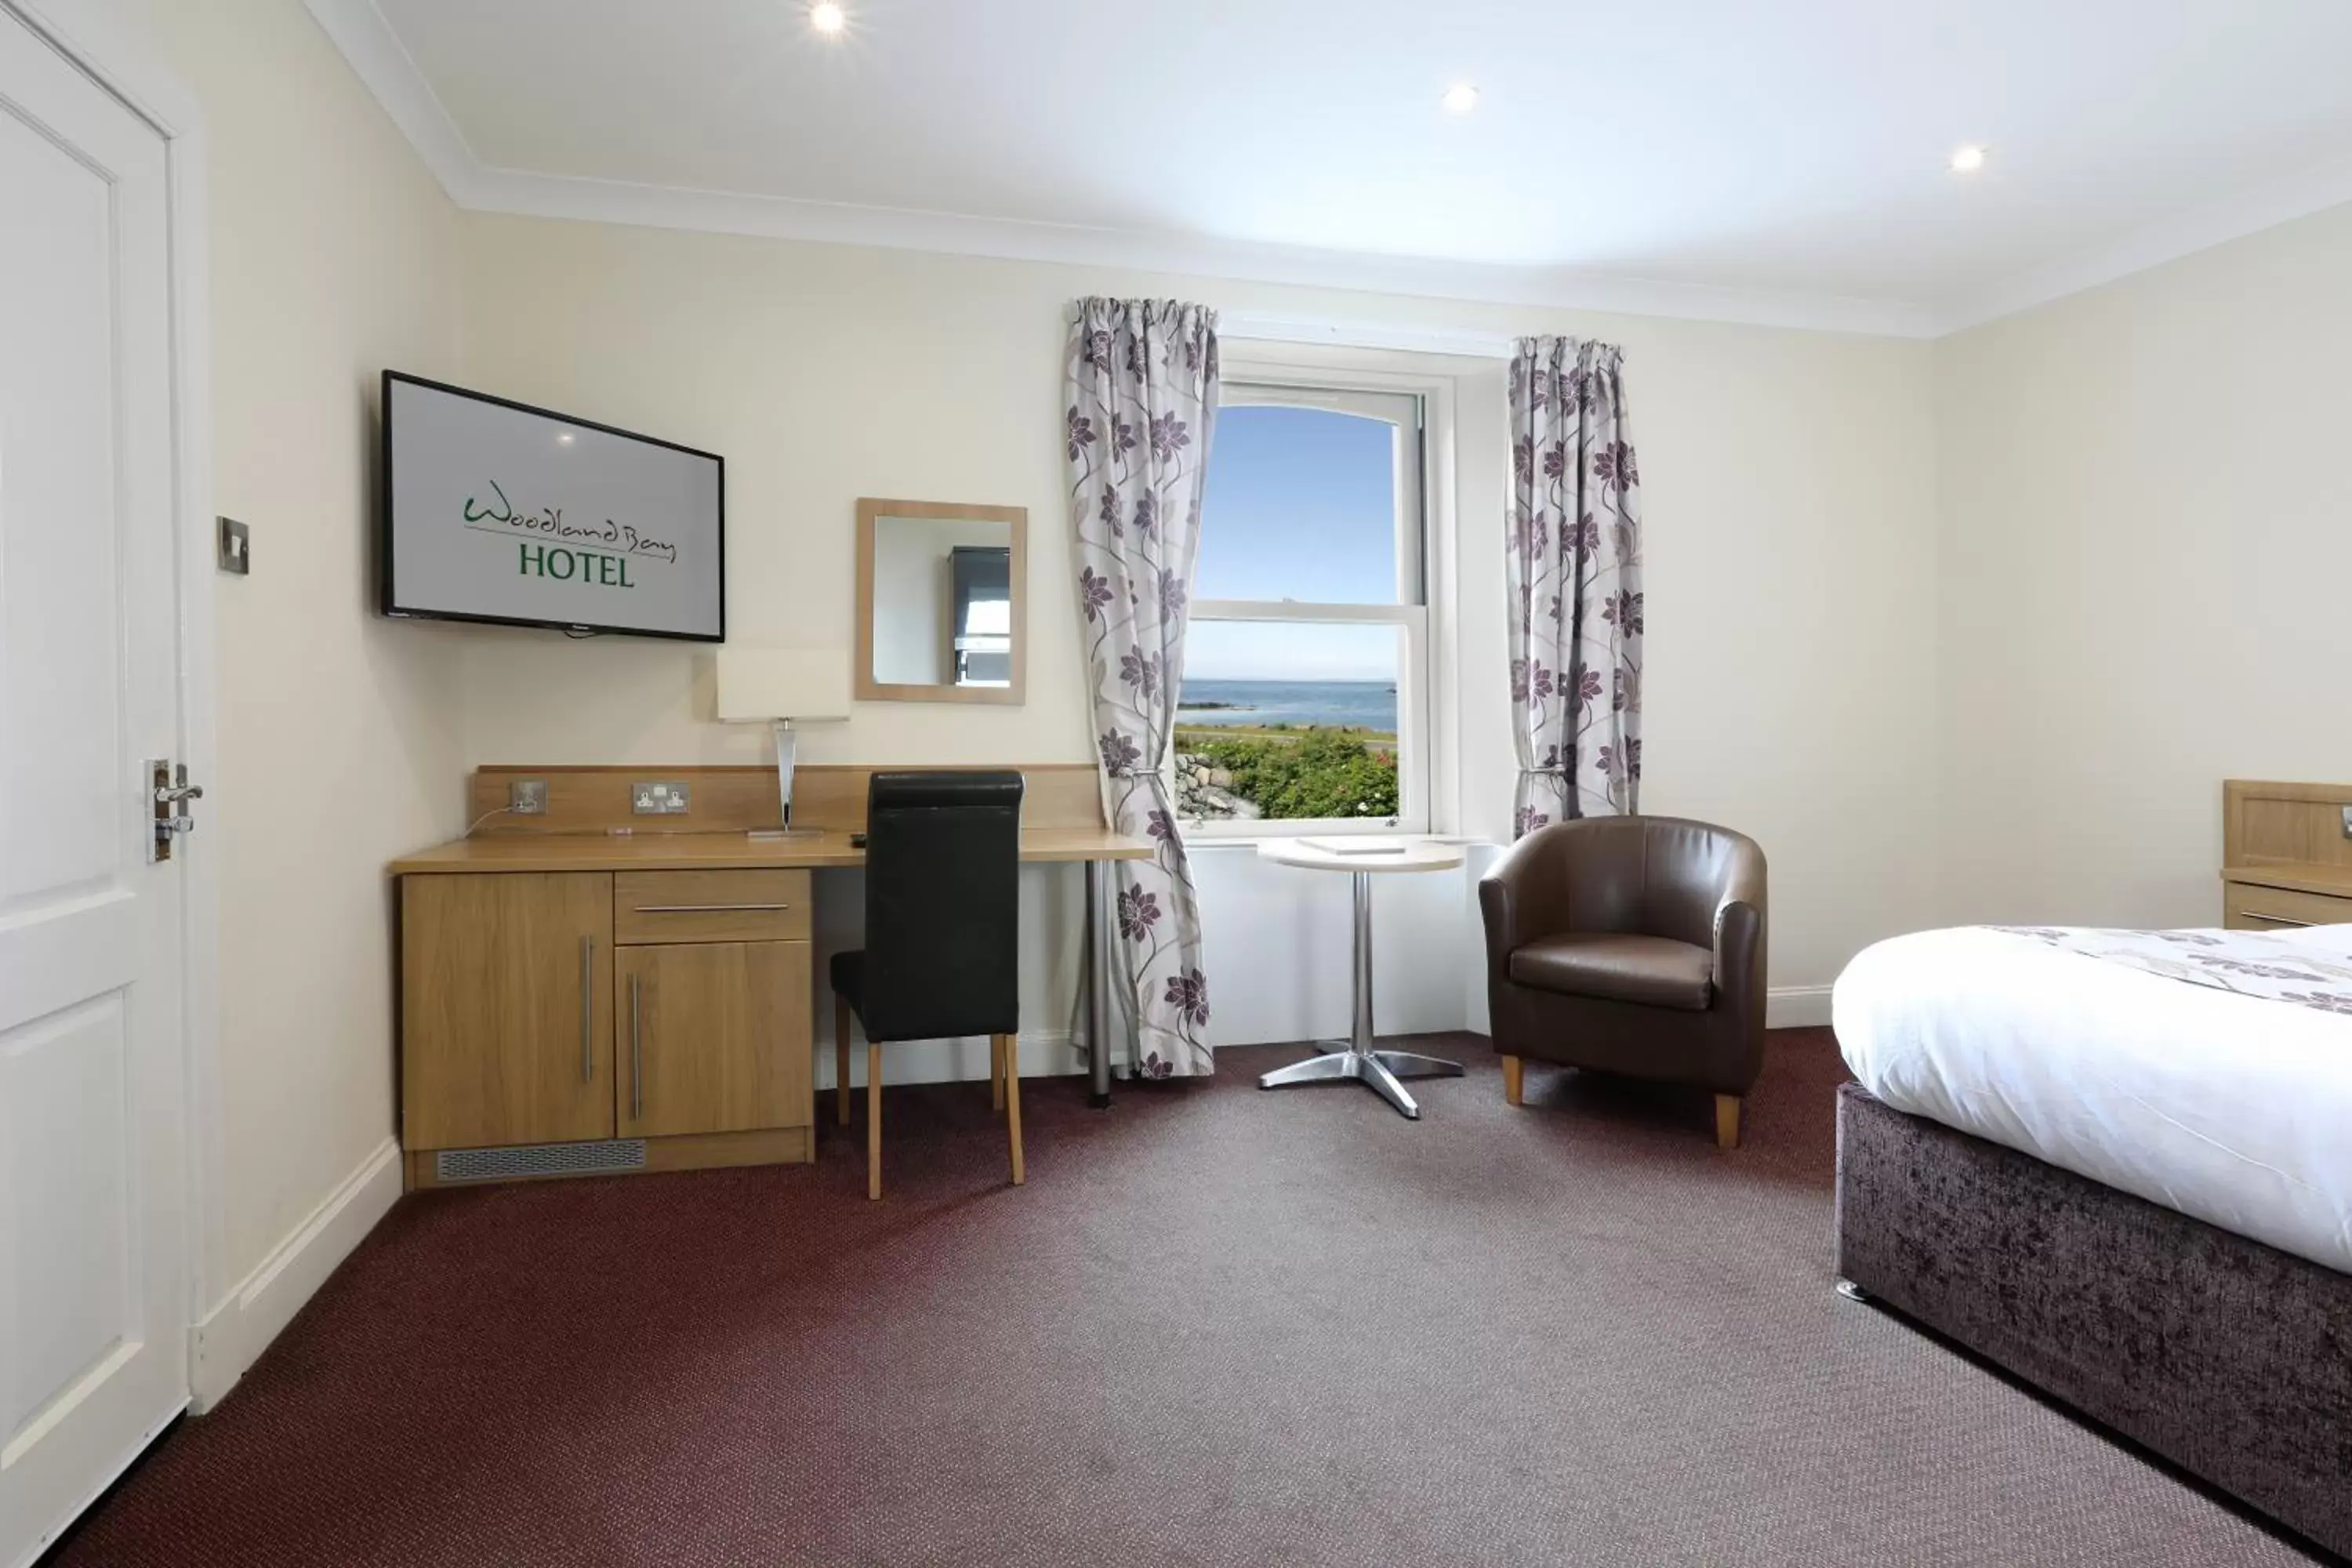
942 932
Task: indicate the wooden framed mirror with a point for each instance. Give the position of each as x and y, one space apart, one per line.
943 602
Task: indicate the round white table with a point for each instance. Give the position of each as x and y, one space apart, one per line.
1354 1057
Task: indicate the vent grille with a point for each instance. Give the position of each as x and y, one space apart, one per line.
539 1160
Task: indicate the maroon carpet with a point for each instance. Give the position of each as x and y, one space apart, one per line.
1218 1326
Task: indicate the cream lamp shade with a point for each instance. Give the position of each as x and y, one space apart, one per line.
782 688
759 684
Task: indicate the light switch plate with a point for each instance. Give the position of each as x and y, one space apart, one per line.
658 798
2347 822
235 547
527 798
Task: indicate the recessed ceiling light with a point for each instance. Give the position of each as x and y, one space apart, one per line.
827 18
1968 159
1460 99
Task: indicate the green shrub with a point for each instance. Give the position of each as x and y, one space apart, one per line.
1324 773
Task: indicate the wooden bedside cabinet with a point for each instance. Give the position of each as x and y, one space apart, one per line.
2272 905
2286 855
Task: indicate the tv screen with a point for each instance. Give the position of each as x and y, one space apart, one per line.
497 512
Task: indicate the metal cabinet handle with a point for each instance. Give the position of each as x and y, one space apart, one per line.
587 1009
2275 919
637 1048
708 909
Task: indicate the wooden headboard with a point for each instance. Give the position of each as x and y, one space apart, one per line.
2284 824
739 799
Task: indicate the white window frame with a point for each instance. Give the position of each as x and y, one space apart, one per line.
1408 412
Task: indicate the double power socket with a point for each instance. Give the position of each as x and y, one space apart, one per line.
647 797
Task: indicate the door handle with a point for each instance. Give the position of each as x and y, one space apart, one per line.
587 1009
169 793
636 1049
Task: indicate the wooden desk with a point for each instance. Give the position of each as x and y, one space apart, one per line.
720 851
2287 860
581 1000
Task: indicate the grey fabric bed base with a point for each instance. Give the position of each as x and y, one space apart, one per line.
2232 1359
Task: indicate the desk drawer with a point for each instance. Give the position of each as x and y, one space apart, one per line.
710 906
2245 907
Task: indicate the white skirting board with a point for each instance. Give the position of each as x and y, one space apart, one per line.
233 1334
1797 1007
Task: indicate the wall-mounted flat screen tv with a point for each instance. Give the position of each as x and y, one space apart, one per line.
498 512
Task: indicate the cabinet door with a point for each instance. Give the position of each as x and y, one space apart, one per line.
714 1038
507 1026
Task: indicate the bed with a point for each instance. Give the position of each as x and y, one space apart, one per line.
2119 1166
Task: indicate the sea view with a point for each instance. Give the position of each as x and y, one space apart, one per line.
1352 704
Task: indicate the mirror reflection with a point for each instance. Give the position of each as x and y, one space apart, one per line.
943 603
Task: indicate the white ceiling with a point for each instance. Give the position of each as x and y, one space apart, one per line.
1759 159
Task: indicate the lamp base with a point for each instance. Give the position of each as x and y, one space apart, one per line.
785 748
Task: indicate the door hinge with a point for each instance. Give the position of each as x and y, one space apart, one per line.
171 791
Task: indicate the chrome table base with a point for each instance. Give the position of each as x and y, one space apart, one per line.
1377 1070
1355 1057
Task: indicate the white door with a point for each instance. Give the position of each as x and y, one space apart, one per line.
93 1331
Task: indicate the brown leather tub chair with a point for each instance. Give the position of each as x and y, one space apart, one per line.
1635 945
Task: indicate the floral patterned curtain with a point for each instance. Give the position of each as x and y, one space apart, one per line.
1575 584
1142 377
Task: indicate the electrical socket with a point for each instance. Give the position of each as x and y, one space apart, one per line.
527 798
2347 822
657 799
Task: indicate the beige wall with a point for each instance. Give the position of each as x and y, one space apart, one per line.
1792 639
2146 535
1791 503
333 254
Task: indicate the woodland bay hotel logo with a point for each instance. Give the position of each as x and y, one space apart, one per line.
596 554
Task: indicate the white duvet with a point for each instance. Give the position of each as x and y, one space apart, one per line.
2235 1109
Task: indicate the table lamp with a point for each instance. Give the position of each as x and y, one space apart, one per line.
783 687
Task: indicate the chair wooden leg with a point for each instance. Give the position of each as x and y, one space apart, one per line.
840 1059
1009 1051
996 1072
1514 1079
873 1120
1727 1120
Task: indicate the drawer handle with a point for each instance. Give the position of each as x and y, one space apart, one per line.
710 908
2276 920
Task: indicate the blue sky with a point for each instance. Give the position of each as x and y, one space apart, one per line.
1300 504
